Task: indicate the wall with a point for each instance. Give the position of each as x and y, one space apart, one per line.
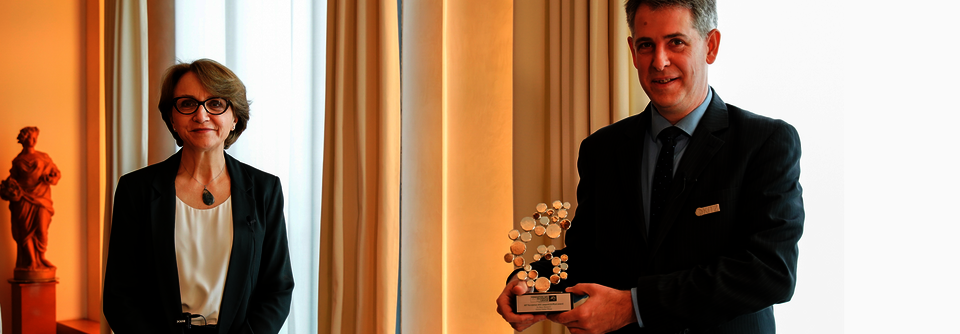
778 73
42 84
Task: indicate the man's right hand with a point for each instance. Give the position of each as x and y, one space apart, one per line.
519 322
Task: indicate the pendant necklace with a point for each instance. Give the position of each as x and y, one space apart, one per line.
206 195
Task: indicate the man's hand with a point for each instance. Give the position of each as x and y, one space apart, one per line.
606 310
519 322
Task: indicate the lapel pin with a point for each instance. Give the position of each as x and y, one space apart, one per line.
708 210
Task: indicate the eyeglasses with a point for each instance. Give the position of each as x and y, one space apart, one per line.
213 106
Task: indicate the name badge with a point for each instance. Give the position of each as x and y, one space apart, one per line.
708 210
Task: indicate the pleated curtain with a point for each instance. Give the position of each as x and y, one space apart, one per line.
496 99
136 52
359 239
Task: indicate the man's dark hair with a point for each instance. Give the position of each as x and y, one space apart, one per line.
704 12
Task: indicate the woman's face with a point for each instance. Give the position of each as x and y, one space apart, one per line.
200 131
30 140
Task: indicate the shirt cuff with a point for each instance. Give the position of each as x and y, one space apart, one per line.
636 310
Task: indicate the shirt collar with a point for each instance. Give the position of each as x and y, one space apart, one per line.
688 124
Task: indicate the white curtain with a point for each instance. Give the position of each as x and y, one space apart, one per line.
126 92
278 49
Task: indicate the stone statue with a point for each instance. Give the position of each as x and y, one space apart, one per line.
31 207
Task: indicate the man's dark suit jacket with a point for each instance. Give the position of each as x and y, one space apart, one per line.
715 273
141 289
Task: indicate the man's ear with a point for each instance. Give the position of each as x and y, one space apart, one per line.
633 55
713 45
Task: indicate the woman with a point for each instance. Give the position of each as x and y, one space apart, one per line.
31 206
199 239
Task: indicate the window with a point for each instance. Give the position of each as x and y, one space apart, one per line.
278 49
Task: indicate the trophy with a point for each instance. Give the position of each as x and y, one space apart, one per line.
550 221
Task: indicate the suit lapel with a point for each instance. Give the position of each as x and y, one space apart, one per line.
703 146
631 169
239 276
162 216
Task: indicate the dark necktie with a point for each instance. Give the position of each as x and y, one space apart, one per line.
662 175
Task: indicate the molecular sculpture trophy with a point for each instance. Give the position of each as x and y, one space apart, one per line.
550 221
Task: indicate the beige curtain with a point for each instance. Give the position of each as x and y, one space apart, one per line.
573 75
135 55
496 97
457 164
361 170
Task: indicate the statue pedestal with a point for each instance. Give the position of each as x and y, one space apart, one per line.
33 276
34 307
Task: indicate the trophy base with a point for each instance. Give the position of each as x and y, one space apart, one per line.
543 302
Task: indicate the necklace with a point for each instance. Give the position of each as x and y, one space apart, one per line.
206 195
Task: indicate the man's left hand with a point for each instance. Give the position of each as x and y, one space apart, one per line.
606 310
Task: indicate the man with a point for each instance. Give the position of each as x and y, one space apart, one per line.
691 232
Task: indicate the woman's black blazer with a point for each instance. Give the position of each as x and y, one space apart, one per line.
141 289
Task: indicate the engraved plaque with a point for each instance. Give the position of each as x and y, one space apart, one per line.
547 302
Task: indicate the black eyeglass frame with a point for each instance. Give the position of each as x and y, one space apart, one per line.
201 103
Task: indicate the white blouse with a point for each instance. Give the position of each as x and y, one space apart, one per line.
204 240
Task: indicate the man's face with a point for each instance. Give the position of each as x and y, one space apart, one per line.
671 59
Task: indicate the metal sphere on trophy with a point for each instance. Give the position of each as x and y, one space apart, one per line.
550 221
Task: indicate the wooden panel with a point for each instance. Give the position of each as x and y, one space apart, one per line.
34 308
79 326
